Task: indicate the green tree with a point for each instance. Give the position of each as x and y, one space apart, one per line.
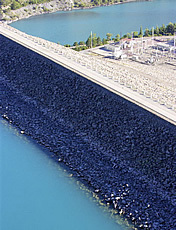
140 32
88 42
94 41
170 28
156 31
118 37
147 32
15 5
128 35
109 35
104 41
135 34
124 36
162 29
99 43
81 43
75 44
84 47
174 27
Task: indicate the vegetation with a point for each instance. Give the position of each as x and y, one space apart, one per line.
45 9
79 3
94 41
108 35
16 4
170 29
140 32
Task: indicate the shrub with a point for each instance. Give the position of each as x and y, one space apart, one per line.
15 5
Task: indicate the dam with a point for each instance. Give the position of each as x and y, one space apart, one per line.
115 78
121 151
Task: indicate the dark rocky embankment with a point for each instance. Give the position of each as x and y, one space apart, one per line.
124 153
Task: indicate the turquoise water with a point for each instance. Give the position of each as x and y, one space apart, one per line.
68 27
37 194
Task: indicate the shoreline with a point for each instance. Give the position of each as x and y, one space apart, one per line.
82 185
57 9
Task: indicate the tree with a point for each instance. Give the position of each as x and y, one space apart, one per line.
84 47
140 32
124 36
88 42
81 43
104 41
109 35
99 43
94 35
156 31
147 32
170 28
135 34
94 41
15 5
128 35
75 44
118 37
162 30
174 27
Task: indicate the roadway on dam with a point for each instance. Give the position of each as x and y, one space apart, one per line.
146 103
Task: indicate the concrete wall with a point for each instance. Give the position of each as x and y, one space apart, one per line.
108 142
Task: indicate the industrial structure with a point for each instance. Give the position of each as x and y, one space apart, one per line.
147 50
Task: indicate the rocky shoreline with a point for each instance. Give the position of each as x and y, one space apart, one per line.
122 152
45 8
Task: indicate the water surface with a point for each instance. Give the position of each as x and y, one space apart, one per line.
37 194
68 27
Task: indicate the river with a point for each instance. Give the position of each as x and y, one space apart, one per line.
70 26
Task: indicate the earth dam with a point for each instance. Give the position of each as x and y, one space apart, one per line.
119 150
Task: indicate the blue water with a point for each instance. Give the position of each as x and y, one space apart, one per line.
37 194
68 27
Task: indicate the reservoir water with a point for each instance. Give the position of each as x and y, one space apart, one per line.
70 26
37 194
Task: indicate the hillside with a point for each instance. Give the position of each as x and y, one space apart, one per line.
13 10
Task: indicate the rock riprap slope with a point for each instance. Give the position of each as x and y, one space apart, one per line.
124 153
